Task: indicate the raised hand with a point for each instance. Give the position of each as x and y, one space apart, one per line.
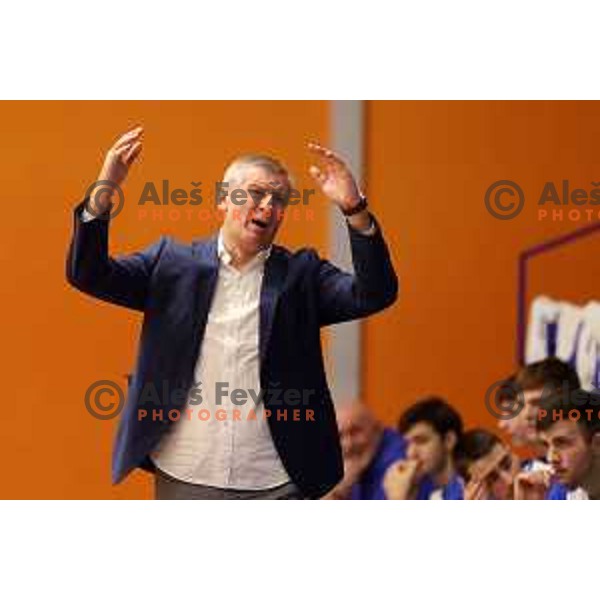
115 169
334 177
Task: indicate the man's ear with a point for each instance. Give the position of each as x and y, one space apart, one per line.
450 440
595 443
222 202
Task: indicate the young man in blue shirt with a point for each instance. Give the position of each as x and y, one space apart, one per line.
528 386
486 465
431 429
569 427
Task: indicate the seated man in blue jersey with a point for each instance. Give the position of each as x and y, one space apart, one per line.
528 386
368 449
431 429
569 427
487 466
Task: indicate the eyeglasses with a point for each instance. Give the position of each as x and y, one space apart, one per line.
278 197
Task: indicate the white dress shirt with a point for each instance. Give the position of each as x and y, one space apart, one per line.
229 453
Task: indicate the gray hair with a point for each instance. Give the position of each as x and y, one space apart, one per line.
235 174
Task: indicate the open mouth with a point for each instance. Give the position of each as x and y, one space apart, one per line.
259 223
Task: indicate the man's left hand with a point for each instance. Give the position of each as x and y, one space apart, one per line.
334 177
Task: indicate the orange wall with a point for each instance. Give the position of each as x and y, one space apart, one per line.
56 342
452 331
427 167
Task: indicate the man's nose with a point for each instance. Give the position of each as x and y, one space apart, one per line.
553 457
266 204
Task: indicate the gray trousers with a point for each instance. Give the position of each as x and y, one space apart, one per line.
169 488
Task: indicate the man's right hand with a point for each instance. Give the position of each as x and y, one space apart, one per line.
399 480
115 169
532 485
476 490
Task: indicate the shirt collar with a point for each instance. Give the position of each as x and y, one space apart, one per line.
226 258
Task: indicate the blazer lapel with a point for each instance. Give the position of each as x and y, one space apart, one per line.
208 272
272 286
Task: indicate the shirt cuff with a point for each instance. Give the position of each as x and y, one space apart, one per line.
86 215
370 230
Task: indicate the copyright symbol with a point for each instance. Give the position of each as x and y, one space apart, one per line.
100 399
504 400
504 199
103 186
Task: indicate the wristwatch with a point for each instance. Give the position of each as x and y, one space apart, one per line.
362 204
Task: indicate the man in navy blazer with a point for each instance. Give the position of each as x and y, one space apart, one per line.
178 289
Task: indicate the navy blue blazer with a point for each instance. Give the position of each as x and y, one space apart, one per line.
173 285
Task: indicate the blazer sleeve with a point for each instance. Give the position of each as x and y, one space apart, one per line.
122 280
373 286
